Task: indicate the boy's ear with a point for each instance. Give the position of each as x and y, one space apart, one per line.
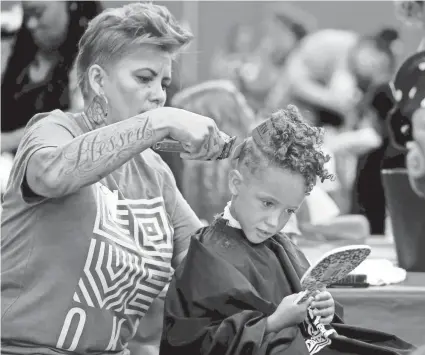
235 181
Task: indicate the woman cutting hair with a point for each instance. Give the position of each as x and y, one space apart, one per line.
93 223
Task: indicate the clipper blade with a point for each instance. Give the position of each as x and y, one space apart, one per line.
229 143
173 146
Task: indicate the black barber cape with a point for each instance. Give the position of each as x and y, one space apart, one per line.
220 296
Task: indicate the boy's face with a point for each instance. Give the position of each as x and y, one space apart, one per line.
262 203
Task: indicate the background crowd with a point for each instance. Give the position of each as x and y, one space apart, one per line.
335 69
333 60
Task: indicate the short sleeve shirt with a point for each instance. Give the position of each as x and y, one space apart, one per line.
79 272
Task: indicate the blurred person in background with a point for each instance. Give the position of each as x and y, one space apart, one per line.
258 54
205 184
330 76
409 78
368 195
284 27
39 75
228 61
407 118
412 14
415 159
331 70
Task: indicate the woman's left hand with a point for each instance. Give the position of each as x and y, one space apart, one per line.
324 306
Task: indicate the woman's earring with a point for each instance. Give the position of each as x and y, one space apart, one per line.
99 109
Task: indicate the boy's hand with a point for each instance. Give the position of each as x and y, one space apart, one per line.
324 306
287 314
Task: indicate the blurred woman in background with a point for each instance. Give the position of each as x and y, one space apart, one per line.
330 76
205 184
255 55
368 196
281 31
39 75
228 61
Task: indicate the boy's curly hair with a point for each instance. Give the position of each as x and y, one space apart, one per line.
294 145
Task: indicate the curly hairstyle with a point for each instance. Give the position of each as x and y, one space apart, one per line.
292 144
115 32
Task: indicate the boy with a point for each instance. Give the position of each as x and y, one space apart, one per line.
235 293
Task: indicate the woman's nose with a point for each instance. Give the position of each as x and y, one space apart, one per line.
158 95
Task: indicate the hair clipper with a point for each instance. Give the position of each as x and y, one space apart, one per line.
173 146
260 134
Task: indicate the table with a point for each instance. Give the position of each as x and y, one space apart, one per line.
396 309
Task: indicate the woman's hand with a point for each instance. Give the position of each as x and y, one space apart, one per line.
287 314
324 306
198 134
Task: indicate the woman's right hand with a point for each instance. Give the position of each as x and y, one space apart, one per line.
198 134
287 314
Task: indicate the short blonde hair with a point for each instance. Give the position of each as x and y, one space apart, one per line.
114 32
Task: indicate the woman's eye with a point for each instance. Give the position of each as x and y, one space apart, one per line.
165 86
290 211
144 79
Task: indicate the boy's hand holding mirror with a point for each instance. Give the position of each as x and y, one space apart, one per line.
287 314
324 306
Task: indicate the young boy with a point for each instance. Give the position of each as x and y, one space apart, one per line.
235 293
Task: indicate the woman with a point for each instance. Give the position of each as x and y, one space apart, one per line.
331 70
368 192
227 62
253 62
283 29
205 184
92 222
369 196
38 76
409 107
330 76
